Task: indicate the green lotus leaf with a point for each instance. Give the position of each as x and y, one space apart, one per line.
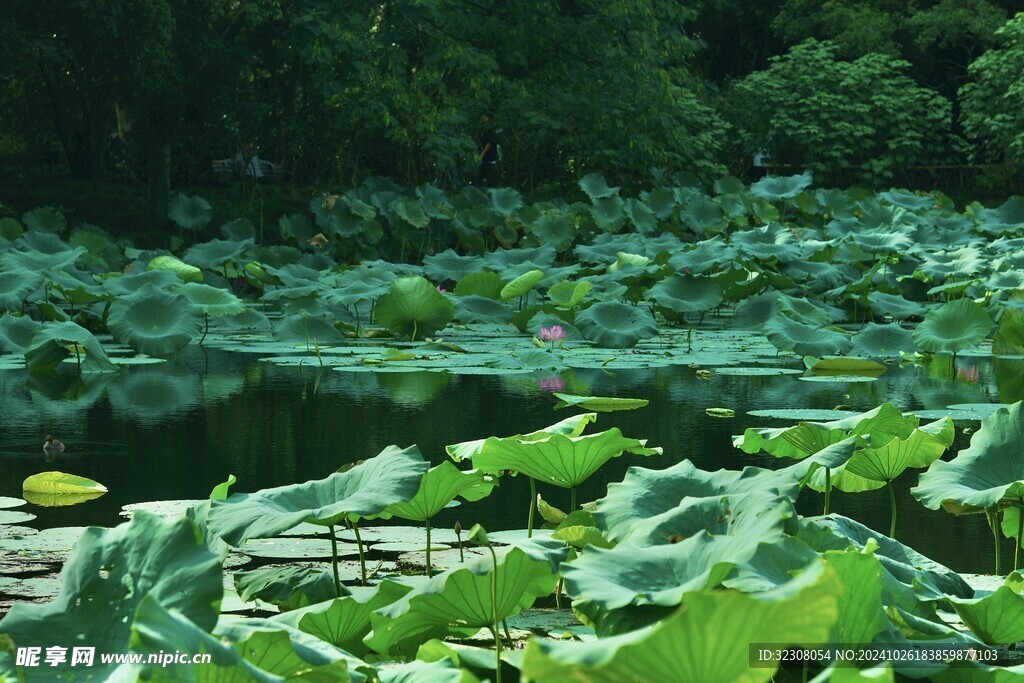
703 256
45 219
238 230
599 404
558 459
37 261
766 244
459 602
288 587
860 606
392 476
109 573
774 188
299 227
16 286
706 639
484 283
704 214
596 186
882 242
183 270
53 342
883 304
505 201
61 483
304 328
616 325
608 213
409 211
155 322
440 485
569 294
478 309
213 301
345 621
189 212
16 332
987 474
521 285
10 228
414 308
685 294
641 216
240 650
954 326
449 265
997 618
444 670
845 366
571 426
805 340
885 462
880 341
215 253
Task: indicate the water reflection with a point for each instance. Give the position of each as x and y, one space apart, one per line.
174 430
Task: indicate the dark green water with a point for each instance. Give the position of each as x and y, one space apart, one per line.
173 431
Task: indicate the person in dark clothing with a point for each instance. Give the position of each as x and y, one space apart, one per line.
487 153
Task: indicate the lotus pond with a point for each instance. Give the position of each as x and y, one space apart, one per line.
253 410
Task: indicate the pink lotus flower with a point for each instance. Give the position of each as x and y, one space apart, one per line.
552 334
440 289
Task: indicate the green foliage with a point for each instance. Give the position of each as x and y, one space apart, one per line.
991 111
811 109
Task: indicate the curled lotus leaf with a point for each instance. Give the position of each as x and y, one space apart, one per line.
155 322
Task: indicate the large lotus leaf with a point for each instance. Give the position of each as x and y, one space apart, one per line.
641 216
966 261
997 618
808 311
571 426
860 606
345 621
16 286
806 340
704 214
608 213
887 461
155 322
37 261
215 253
61 483
483 283
459 602
250 650
882 242
883 304
988 473
478 309
569 294
706 255
409 211
52 342
10 228
106 577
505 201
771 242
685 294
596 186
443 670
882 341
774 188
616 325
45 219
707 639
558 459
16 333
1007 218
647 579
213 301
186 272
414 308
287 587
449 265
392 476
881 424
238 230
954 326
189 212
304 328
300 228
440 485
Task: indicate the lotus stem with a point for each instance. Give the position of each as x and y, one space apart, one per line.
892 505
828 490
415 329
494 612
362 556
533 504
572 500
992 515
508 635
206 327
430 571
334 561
458 537
1020 531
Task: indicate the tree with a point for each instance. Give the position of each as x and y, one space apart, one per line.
856 120
992 110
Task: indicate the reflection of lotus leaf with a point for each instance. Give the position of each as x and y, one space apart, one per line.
154 392
154 322
51 500
413 389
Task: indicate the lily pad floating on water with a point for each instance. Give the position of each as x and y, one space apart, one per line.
296 547
802 414
844 366
756 372
163 508
9 502
15 517
720 412
599 404
61 483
